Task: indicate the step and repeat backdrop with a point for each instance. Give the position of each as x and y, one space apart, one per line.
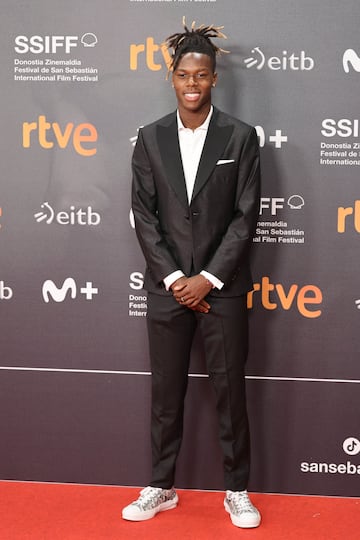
78 79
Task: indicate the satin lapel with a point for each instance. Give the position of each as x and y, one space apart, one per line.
215 143
168 142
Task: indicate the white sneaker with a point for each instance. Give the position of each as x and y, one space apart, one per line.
242 512
151 501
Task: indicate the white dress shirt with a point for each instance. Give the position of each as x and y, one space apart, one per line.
191 146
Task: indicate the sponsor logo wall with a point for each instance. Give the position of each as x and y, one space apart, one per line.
77 87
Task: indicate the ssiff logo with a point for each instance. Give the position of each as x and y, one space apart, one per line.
295 202
52 44
284 62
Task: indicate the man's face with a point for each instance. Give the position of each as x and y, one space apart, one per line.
192 80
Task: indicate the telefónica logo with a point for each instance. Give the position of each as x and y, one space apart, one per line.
286 61
73 216
350 58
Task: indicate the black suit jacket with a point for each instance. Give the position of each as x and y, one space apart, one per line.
214 232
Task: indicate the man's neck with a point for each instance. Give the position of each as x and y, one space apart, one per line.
193 120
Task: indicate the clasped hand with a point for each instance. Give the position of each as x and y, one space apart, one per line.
191 291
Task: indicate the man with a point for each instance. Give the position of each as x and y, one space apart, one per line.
196 182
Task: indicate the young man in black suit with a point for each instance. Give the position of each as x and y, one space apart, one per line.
195 198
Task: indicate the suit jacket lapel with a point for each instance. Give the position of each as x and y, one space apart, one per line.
216 140
168 142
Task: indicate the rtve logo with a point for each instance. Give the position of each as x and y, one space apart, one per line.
5 292
58 294
284 62
52 44
306 299
345 213
149 49
76 136
274 296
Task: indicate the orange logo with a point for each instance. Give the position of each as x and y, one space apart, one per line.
274 296
344 213
77 136
149 49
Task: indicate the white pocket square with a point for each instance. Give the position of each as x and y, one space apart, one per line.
223 161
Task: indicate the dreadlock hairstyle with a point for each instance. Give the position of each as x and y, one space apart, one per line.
194 40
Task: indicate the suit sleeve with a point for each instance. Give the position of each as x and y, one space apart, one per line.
144 205
233 250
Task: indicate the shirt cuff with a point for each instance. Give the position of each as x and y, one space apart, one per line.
171 278
213 279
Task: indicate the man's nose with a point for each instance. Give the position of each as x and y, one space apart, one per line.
192 79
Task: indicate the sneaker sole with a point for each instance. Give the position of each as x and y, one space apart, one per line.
149 514
243 525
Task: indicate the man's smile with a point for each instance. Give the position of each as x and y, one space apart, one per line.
192 96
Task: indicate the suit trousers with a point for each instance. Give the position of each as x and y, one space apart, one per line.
224 332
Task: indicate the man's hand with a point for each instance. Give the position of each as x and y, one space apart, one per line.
190 292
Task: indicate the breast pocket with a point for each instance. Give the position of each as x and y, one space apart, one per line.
225 170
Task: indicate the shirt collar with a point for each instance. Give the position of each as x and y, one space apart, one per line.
203 126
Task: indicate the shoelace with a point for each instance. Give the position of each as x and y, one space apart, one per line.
241 502
148 497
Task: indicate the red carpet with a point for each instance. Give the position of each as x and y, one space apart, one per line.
34 511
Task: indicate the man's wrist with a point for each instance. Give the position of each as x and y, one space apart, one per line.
213 280
171 278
